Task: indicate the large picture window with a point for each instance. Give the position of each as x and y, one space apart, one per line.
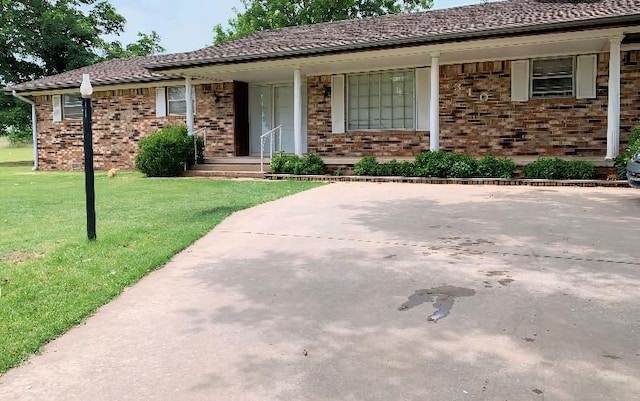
72 106
552 77
382 100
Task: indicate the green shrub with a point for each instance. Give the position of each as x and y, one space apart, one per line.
292 164
620 162
310 165
445 164
556 169
166 152
493 167
368 165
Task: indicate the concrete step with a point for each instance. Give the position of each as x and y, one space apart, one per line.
228 167
223 174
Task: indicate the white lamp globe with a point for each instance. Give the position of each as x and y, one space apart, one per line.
86 90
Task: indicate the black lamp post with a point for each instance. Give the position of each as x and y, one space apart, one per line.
86 91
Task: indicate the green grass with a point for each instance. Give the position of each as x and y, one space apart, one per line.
51 277
12 154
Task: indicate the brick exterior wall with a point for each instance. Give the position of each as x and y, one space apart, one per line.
321 141
120 119
549 127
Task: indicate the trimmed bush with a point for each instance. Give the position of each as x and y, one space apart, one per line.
292 164
166 152
493 167
620 162
445 165
368 165
556 169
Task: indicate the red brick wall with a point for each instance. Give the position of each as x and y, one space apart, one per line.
321 141
120 119
550 127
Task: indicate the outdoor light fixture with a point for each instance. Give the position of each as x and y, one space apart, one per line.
86 90
327 91
216 97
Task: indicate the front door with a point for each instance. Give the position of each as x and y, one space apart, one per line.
269 107
283 115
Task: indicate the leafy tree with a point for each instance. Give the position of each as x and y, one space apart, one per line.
46 37
260 15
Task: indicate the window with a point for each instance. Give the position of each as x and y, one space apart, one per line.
72 106
552 77
176 104
383 100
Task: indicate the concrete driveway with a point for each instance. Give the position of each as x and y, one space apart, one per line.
327 295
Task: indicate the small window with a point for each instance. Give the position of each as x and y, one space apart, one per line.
71 107
552 77
176 104
383 100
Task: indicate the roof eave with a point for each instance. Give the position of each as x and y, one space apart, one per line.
96 84
514 31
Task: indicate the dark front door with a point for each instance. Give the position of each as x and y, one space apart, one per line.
242 137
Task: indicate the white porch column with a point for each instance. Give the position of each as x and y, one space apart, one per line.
613 118
188 98
434 124
297 111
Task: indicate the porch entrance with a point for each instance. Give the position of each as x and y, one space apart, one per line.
269 107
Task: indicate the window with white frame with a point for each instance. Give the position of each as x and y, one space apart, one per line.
72 106
381 100
552 77
176 104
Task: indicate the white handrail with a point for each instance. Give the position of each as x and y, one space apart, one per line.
195 142
270 134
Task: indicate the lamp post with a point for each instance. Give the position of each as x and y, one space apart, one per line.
86 91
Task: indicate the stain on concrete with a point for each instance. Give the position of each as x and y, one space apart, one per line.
505 281
611 356
537 391
444 297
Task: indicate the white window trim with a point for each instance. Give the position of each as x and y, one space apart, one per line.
573 78
378 130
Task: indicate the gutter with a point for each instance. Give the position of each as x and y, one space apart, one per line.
412 41
34 127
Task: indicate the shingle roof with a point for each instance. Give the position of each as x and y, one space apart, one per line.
505 17
107 72
425 26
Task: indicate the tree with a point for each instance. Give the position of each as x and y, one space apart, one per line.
46 37
260 15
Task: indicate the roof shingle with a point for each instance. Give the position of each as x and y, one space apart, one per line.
512 16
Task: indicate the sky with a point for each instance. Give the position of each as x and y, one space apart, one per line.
186 25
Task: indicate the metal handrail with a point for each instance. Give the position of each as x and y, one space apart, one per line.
263 137
195 143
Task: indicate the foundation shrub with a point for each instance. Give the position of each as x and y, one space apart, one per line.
556 169
166 152
368 165
445 165
493 167
620 162
292 164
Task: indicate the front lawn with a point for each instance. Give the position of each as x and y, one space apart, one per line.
51 277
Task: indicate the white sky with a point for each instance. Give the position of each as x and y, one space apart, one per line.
186 25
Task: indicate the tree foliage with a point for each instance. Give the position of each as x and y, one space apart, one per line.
260 15
46 37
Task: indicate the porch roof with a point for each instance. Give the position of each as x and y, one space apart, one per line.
490 20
